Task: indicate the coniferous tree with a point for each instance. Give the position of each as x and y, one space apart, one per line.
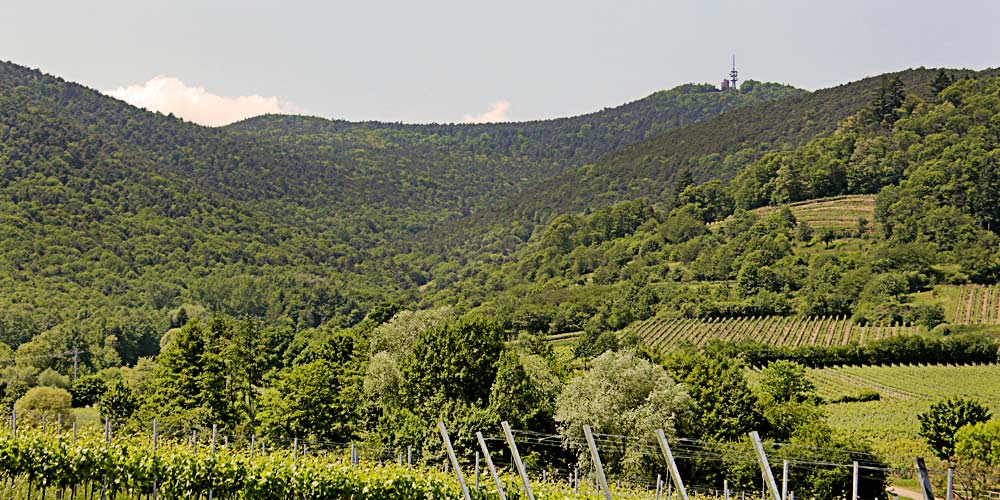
941 81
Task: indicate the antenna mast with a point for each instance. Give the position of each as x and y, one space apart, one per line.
733 74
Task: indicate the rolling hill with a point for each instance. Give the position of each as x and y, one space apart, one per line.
115 216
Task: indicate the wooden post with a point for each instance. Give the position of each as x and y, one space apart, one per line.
598 466
489 465
925 479
517 460
675 474
454 460
765 467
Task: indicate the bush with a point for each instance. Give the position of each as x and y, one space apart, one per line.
42 402
87 390
864 395
930 315
52 378
117 403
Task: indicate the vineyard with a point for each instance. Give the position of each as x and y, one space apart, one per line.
977 305
76 456
35 465
54 462
905 392
789 331
842 212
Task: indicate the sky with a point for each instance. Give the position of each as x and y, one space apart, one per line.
215 62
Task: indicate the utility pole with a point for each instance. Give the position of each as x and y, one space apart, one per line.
76 361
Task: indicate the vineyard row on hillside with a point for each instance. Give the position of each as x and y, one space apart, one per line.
979 305
785 331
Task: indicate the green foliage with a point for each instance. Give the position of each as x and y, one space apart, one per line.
941 81
130 469
52 378
939 425
456 360
725 408
979 441
42 402
312 400
118 403
625 395
902 349
206 374
525 400
786 382
87 390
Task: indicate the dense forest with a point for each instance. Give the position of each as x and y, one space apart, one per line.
339 281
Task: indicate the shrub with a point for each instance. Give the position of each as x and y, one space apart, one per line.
864 395
87 390
42 402
52 378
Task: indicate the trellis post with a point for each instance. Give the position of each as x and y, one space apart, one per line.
454 460
598 466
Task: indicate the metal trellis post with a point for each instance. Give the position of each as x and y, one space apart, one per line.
490 467
598 466
517 460
454 460
765 467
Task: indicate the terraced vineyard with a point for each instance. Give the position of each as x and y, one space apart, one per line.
977 305
841 212
906 391
788 331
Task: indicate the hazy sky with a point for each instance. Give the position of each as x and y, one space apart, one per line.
448 61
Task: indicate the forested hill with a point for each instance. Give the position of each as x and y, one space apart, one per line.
910 209
113 216
716 148
572 140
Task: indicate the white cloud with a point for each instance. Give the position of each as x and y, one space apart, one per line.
497 113
167 94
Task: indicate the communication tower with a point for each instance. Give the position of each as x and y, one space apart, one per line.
733 74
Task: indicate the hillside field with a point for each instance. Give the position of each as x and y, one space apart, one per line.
839 212
789 331
890 424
